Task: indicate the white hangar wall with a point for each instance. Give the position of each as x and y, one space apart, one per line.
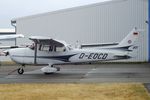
97 23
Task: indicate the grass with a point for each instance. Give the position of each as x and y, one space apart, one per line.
121 91
7 63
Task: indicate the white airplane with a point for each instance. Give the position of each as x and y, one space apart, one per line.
55 52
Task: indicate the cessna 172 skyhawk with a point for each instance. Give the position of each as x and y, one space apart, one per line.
55 52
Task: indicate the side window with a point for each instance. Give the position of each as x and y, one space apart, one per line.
60 49
44 47
51 48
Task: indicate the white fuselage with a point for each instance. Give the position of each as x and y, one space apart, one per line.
26 55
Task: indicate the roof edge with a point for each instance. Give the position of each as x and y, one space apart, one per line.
67 9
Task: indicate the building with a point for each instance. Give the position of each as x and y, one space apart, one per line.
106 22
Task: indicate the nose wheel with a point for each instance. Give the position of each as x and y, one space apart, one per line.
20 71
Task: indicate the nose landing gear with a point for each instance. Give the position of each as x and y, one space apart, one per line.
20 71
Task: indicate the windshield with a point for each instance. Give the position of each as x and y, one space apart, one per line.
69 47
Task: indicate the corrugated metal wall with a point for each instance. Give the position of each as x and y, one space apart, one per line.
98 23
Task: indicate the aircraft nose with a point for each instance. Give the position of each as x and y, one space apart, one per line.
15 52
16 55
5 53
9 53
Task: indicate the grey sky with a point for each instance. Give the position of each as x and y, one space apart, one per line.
17 8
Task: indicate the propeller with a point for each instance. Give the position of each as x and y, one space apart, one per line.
4 53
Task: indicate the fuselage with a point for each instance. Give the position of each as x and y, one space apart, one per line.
26 55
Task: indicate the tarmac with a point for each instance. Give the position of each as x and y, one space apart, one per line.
94 73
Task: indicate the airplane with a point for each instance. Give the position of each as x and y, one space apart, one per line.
52 52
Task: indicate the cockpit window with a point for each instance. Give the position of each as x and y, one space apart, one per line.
69 47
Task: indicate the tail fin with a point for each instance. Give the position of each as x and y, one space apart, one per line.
130 38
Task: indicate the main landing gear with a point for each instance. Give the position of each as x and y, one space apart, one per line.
50 69
20 71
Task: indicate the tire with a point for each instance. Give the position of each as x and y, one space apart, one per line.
20 71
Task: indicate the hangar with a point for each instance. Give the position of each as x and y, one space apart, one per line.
107 22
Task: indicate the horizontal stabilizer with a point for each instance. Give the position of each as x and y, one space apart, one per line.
98 45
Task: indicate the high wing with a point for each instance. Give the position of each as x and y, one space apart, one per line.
47 41
5 37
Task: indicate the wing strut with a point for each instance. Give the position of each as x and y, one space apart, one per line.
35 53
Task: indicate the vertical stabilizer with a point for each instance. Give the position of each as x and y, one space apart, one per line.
130 38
